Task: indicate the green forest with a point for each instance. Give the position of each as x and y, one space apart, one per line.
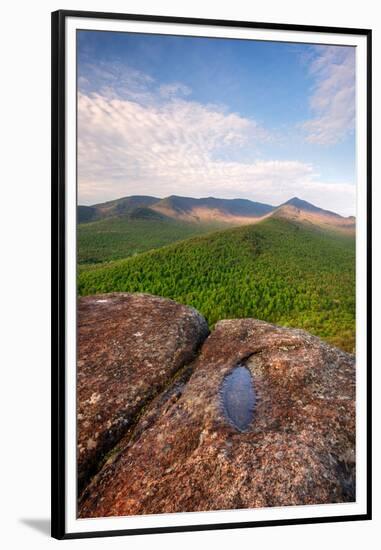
123 236
279 271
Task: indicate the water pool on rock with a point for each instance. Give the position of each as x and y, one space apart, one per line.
238 397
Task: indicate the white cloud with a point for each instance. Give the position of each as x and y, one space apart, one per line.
185 148
115 80
333 97
162 145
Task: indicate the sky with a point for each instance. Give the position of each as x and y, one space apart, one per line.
172 115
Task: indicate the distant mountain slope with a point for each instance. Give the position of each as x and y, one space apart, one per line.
86 214
234 211
212 210
305 212
278 270
117 207
131 225
143 213
307 206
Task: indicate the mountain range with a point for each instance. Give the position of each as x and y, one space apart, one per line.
213 210
292 264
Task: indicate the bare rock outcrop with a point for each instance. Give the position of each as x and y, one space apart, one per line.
266 418
129 347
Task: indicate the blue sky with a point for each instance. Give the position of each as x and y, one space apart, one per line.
191 116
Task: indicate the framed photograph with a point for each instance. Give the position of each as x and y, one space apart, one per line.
211 220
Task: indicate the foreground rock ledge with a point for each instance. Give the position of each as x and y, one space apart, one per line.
187 456
129 347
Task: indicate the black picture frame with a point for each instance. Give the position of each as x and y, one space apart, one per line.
58 193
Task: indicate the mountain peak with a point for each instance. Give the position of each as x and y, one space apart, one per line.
300 210
295 201
300 204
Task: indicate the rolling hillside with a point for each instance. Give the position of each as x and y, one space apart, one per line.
188 209
117 207
233 211
143 229
131 225
279 270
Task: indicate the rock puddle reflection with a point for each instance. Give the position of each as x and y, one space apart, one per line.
238 397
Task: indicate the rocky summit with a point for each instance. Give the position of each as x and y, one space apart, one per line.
129 348
258 416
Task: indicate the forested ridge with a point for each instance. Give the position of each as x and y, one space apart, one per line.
120 237
277 270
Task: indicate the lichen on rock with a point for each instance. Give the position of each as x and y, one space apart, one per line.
129 347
